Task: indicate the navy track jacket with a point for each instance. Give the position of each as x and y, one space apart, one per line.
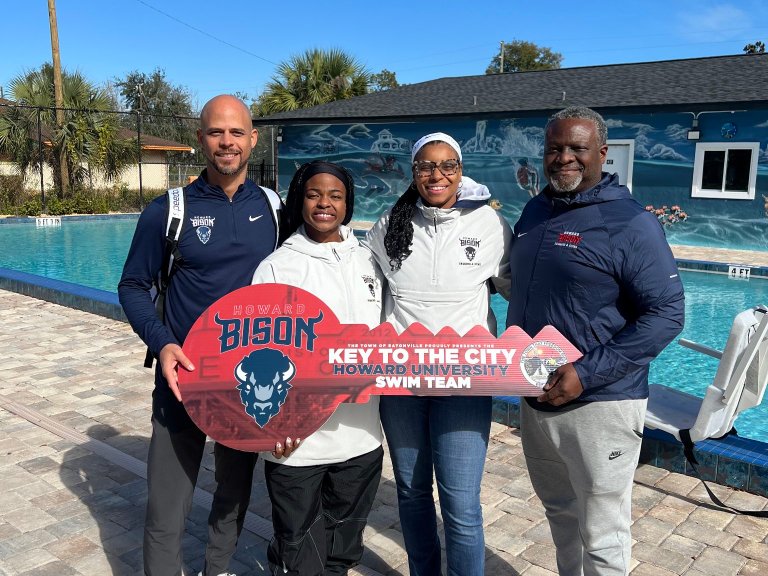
597 267
222 242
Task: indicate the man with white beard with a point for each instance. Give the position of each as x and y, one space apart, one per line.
589 260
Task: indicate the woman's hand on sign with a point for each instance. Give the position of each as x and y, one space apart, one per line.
283 450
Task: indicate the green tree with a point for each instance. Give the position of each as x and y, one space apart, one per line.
522 56
88 141
312 78
384 80
756 48
165 108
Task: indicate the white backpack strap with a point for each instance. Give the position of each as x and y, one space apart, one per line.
274 199
173 224
175 220
275 204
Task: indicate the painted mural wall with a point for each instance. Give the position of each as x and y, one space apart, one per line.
506 155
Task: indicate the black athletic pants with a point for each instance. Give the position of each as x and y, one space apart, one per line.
172 467
319 513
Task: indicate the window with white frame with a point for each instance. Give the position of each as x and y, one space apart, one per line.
725 170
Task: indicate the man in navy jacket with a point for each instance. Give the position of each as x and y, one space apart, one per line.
229 227
589 260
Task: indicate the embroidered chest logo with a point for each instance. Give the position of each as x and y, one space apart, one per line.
370 282
203 226
568 239
470 246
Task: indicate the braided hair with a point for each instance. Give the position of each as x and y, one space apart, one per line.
399 235
294 202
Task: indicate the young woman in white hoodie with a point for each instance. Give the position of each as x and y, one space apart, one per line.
323 488
442 250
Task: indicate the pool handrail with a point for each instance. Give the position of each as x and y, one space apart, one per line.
740 383
700 348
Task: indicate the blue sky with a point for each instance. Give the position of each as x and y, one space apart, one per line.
216 47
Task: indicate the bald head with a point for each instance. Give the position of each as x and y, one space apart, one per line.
226 136
223 101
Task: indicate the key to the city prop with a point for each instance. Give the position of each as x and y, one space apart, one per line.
272 361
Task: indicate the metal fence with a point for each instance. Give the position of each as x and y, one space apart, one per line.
163 150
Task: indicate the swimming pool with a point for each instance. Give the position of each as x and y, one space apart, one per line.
92 252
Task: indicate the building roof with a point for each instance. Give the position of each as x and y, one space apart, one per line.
149 142
723 81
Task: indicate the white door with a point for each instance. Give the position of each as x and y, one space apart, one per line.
619 160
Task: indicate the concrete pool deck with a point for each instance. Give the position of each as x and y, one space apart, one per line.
721 255
74 431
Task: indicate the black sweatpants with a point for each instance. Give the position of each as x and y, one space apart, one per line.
172 467
319 514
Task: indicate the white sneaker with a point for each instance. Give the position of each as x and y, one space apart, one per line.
222 574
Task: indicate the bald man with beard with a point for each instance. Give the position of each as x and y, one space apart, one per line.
230 225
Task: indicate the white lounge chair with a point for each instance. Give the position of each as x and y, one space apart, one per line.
740 382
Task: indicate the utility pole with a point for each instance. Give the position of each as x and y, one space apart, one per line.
58 93
138 142
501 68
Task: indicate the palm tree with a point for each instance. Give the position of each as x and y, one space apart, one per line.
88 138
312 78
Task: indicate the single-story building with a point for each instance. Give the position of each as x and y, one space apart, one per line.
690 134
156 172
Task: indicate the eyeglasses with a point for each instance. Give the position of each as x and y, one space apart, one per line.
425 168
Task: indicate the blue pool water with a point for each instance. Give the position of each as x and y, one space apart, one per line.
88 252
92 252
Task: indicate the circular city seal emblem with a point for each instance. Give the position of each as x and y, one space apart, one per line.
539 360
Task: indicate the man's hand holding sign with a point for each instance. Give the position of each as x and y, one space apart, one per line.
272 361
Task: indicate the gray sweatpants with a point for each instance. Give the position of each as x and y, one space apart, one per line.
582 462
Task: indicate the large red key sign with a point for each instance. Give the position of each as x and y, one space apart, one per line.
273 361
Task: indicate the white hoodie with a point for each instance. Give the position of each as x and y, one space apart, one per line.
344 275
455 252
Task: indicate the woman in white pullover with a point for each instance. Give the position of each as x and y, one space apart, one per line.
323 490
442 249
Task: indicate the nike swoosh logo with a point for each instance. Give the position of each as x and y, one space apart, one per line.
254 218
521 234
615 454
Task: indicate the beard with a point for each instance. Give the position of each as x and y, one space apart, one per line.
565 184
226 170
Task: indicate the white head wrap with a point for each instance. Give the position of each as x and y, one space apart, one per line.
435 137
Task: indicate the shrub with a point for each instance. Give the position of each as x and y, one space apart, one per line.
32 206
11 193
14 200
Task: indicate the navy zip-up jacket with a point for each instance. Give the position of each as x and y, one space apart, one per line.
597 267
222 242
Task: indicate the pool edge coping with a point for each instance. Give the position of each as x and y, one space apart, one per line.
69 294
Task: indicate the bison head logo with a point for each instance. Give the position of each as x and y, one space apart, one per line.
204 233
470 252
264 377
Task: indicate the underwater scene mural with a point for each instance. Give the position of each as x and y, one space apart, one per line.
506 155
